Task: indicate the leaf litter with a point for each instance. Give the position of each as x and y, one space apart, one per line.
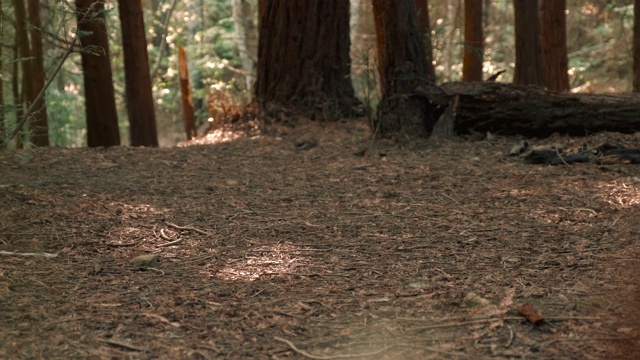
265 248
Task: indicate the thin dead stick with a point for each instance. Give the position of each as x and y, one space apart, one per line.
47 255
480 321
121 344
175 242
187 228
327 357
32 107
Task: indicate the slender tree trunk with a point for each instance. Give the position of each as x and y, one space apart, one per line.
473 38
100 104
424 27
246 37
529 68
194 26
162 42
142 120
636 46
554 44
303 59
39 129
187 98
15 89
3 130
403 69
23 51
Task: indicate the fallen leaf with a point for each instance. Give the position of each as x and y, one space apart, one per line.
531 313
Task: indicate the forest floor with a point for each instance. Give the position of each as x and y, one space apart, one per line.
317 242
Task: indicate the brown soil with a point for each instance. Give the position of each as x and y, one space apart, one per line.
317 243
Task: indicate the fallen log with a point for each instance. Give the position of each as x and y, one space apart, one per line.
532 111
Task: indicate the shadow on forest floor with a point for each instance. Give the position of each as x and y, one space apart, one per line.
317 243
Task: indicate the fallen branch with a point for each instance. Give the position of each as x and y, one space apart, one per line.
175 242
47 255
190 228
121 344
326 357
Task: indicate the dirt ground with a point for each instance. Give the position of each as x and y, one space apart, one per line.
317 242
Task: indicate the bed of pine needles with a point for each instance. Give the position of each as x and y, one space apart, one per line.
316 242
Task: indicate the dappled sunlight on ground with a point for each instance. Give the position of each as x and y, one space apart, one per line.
621 193
216 137
314 242
278 260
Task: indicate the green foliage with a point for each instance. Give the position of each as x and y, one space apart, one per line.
67 124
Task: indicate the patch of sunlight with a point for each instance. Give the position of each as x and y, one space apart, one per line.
216 137
621 193
270 260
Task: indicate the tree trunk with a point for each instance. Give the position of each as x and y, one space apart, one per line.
100 104
142 120
636 46
303 59
424 28
3 130
473 38
529 69
262 8
554 44
23 51
246 38
187 98
194 26
161 39
38 127
531 111
403 69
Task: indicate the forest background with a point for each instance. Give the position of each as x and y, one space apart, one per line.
220 41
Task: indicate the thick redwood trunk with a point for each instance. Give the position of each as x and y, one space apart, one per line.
554 44
403 69
473 39
529 69
142 120
303 58
424 28
100 104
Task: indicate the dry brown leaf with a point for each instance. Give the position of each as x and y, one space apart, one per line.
531 313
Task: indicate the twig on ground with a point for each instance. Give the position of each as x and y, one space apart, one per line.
120 344
326 357
190 228
175 242
47 255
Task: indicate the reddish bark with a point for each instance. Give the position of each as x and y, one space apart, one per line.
403 69
187 98
100 104
529 69
554 44
142 120
38 127
303 58
473 39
